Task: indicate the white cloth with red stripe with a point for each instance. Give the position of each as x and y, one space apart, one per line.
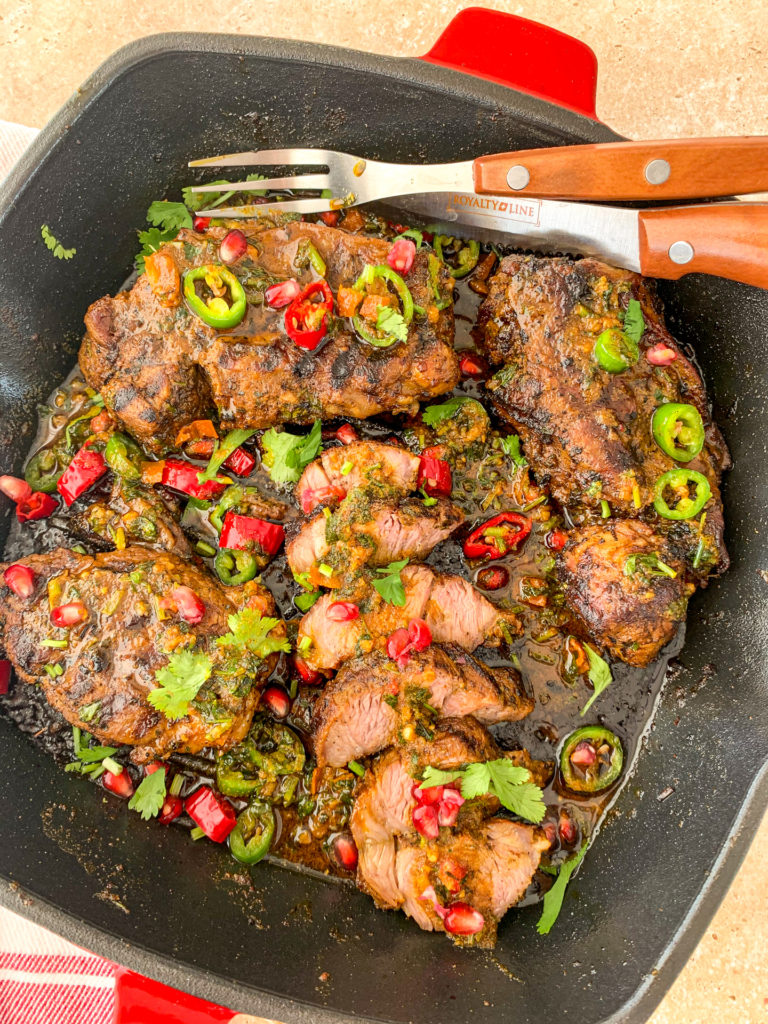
43 978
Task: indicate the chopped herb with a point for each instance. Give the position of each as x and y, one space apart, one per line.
509 782
434 414
511 447
286 455
346 469
54 671
250 632
169 216
180 682
54 643
553 900
648 565
391 699
390 587
356 767
634 322
599 675
112 766
392 323
305 601
305 643
221 452
605 509
208 200
427 499
89 711
325 570
55 246
150 242
197 833
149 797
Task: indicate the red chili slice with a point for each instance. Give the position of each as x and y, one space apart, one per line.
14 488
401 256
435 476
20 579
242 533
36 506
68 615
241 462
343 611
306 320
188 604
119 784
282 293
182 476
171 809
212 813
500 535
82 473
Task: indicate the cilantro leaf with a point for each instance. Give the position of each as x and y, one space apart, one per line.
434 414
149 797
150 242
250 632
509 782
475 780
392 323
436 777
390 587
169 216
305 600
221 452
553 900
55 245
86 753
287 455
511 447
634 321
599 675
180 681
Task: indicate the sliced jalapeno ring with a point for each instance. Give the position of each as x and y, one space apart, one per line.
615 351
235 567
231 498
678 430
215 310
250 839
374 336
124 457
591 760
680 482
45 467
466 256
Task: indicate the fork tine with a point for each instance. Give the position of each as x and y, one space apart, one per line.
289 206
297 181
265 157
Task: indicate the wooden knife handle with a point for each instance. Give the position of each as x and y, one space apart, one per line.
672 169
726 239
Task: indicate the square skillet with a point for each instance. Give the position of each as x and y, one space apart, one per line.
77 862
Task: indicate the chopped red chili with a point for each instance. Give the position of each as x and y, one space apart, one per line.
83 471
306 320
434 476
36 506
500 535
182 476
241 533
240 462
213 814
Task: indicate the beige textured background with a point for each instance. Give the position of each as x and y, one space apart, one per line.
667 67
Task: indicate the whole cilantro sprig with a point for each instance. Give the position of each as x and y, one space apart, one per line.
249 631
149 797
180 682
287 455
509 782
390 586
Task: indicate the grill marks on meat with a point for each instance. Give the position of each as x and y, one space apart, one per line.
158 368
111 658
631 615
364 708
454 611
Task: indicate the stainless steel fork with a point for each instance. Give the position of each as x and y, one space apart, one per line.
603 172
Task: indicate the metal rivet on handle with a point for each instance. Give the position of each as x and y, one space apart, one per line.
681 252
518 177
657 172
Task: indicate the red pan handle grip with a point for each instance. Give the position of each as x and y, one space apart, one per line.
140 1000
521 54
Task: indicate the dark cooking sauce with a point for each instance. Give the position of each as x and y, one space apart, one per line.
319 810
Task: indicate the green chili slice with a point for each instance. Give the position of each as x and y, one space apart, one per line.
214 309
591 760
45 467
124 457
250 839
374 336
681 481
615 351
465 259
233 497
433 269
235 567
678 430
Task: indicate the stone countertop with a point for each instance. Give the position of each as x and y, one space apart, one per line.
667 68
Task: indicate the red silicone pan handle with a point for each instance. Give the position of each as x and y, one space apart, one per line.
139 1000
521 54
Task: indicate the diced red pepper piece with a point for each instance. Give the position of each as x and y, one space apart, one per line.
20 579
499 536
233 246
182 476
347 433
121 785
308 675
240 462
306 321
401 256
5 676
425 821
82 473
330 217
241 533
171 809
343 611
282 293
435 476
37 506
15 489
461 919
67 615
188 604
212 813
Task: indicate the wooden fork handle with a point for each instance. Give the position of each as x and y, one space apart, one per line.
672 169
726 239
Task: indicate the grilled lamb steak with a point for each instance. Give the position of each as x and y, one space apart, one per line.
158 366
370 701
109 662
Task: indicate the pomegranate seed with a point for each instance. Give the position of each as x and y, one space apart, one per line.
461 919
120 785
308 675
401 256
398 645
67 615
347 433
344 852
153 766
14 488
493 578
419 635
556 540
343 611
5 676
428 795
282 293
201 223
233 246
450 874
20 579
567 829
425 821
188 604
584 755
276 700
473 366
660 355
330 217
101 422
449 807
550 831
171 809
